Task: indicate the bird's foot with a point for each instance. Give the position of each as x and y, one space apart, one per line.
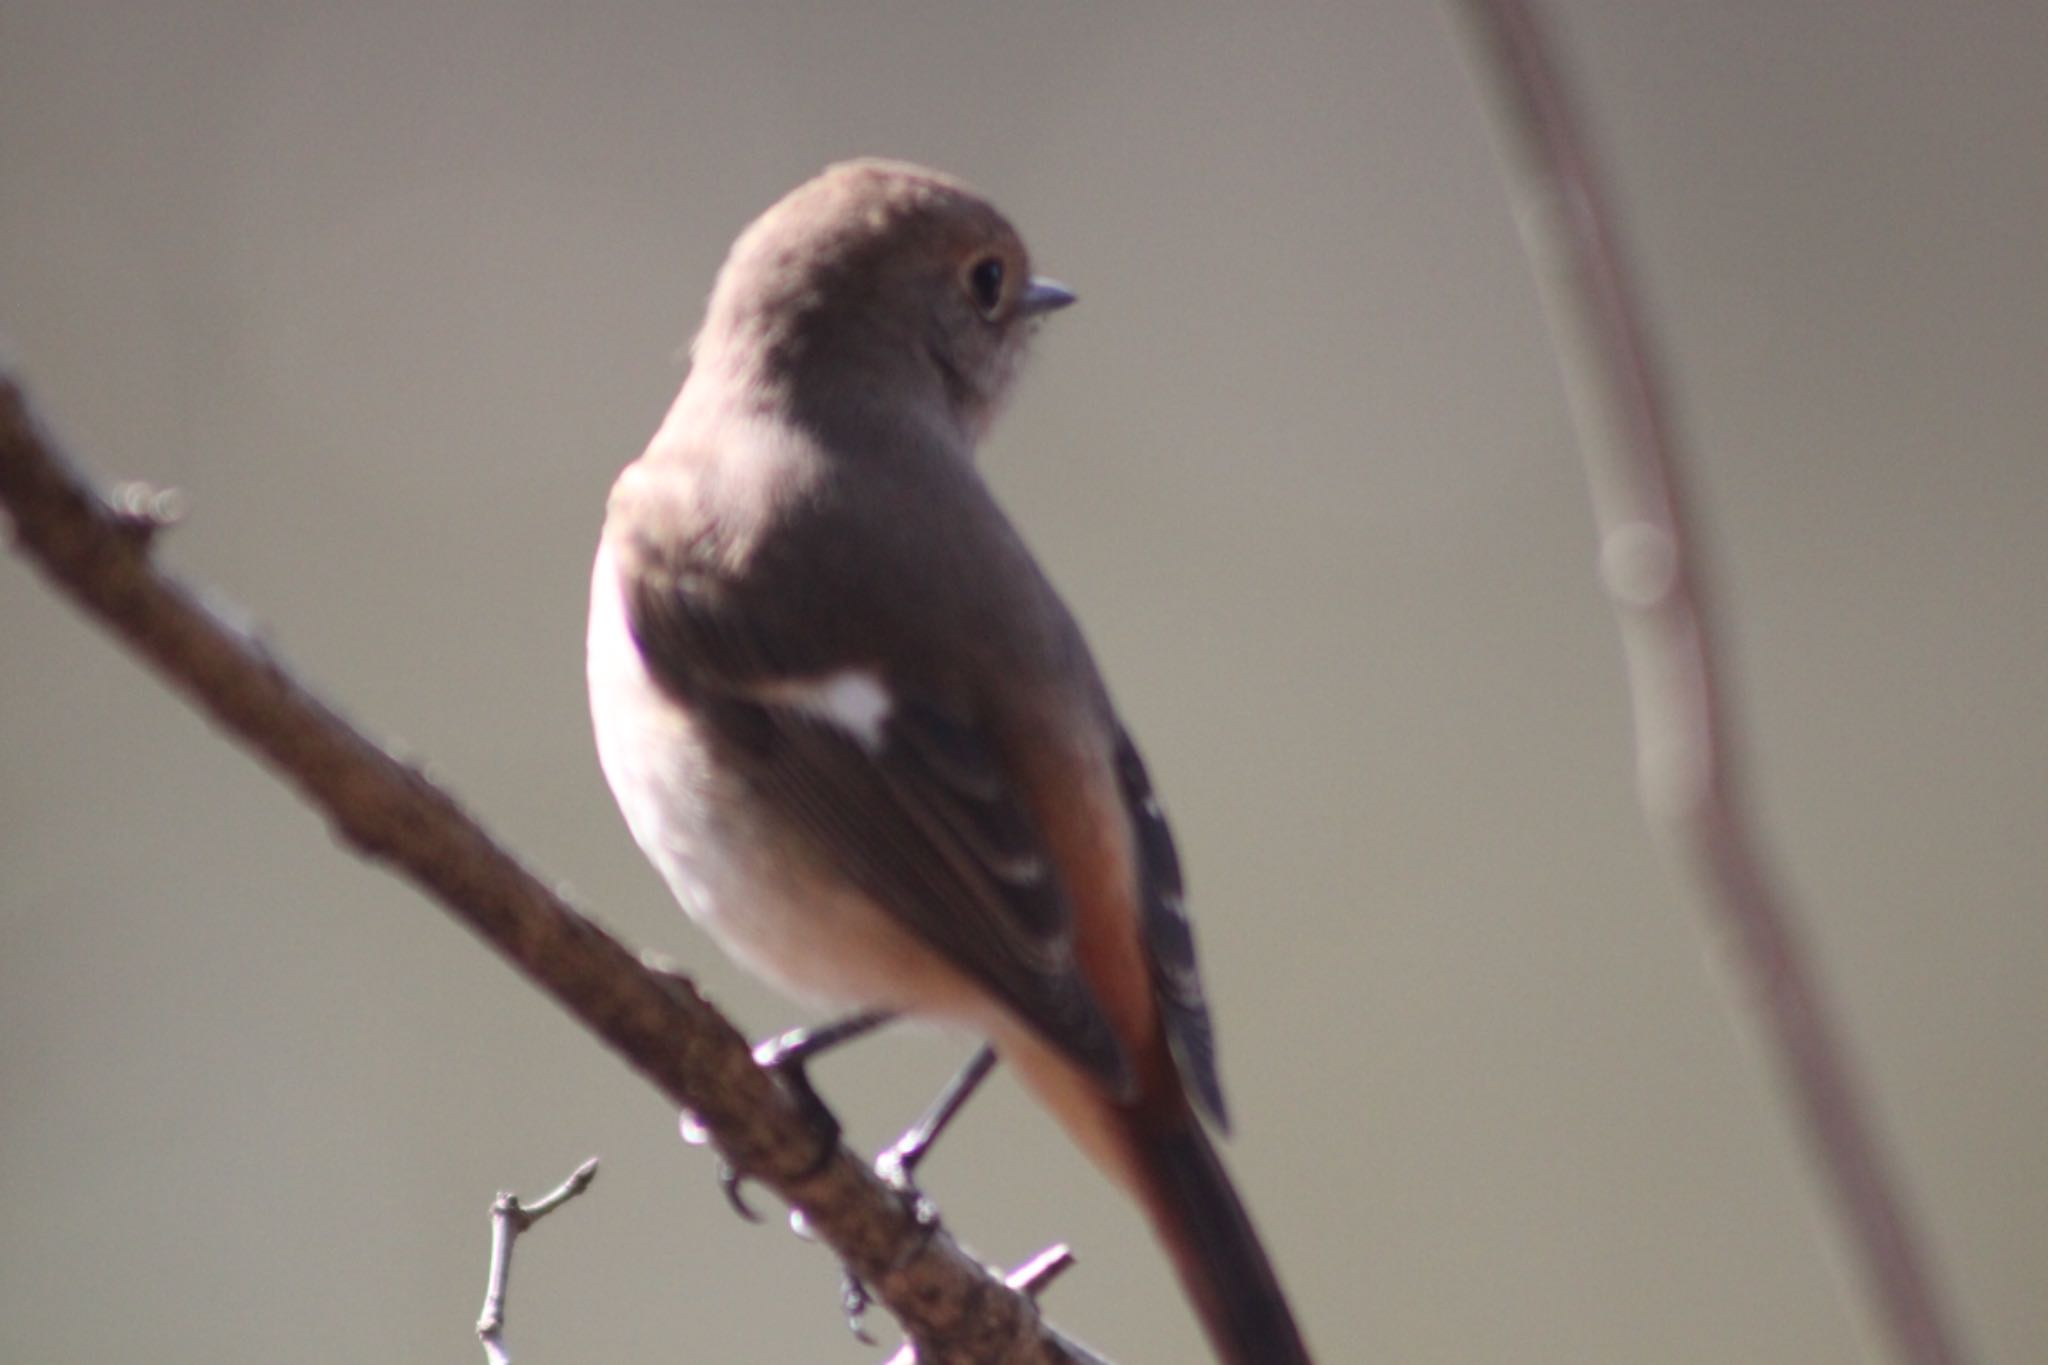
789 1055
897 1165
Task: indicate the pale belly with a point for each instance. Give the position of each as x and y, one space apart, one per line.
764 897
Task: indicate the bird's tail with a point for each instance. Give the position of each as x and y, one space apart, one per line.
1204 1227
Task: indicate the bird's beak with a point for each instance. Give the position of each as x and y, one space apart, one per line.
1044 296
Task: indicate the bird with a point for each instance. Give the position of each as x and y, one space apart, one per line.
851 723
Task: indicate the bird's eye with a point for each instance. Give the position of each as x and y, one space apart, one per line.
985 283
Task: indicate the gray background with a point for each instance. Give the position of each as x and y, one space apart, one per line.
393 289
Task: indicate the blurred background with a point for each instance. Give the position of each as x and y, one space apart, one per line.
392 290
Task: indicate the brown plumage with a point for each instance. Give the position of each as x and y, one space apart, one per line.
853 725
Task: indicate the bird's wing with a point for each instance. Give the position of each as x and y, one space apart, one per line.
906 795
1170 936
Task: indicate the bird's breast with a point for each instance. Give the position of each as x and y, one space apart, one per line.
735 865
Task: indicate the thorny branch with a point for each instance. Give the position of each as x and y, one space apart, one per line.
953 1308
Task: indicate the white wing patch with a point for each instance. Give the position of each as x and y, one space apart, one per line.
852 699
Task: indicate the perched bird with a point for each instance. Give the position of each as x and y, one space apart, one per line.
856 730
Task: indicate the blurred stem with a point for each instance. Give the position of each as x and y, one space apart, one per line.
1650 565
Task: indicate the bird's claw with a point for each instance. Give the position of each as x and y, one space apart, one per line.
786 1055
897 1169
733 1185
730 1179
854 1301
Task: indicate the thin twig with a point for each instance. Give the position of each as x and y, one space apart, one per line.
1036 1275
958 1311
509 1218
1650 564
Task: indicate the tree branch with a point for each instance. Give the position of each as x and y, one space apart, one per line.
1650 564
955 1310
1032 1278
510 1218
